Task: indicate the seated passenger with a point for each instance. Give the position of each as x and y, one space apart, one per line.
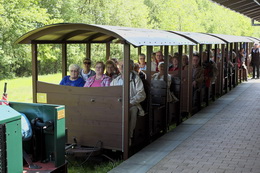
86 72
111 69
219 55
153 62
159 58
197 77
100 79
175 63
214 68
185 61
115 60
242 56
160 76
141 61
73 79
137 95
141 74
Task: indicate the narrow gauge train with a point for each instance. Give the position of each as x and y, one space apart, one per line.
98 117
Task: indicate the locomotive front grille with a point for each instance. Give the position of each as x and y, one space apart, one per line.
3 162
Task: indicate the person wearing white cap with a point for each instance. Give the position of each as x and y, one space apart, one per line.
255 54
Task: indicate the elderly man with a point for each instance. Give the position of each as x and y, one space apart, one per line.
73 79
137 95
255 54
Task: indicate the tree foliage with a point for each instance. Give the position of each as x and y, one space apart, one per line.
20 16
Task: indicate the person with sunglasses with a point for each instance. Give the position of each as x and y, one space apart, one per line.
86 72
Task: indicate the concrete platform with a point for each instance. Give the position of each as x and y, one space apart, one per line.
223 138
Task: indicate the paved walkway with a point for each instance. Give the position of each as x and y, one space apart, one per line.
222 138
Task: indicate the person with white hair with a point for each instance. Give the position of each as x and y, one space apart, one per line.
255 61
160 76
73 79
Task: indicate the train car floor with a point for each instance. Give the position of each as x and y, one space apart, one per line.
223 137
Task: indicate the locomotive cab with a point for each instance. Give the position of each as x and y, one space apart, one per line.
44 146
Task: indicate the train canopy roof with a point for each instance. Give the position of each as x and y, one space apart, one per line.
232 38
253 39
200 38
249 8
85 33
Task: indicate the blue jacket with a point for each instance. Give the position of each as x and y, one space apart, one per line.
76 83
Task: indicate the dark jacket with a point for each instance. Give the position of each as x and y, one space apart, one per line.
255 56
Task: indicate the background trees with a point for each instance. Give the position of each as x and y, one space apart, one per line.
20 16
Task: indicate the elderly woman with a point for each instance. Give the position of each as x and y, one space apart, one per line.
73 79
111 69
100 79
175 63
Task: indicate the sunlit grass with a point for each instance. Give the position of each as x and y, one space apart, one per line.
20 89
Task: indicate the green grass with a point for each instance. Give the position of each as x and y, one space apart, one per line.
20 90
92 167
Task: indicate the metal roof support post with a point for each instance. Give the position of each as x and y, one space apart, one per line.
231 70
208 88
180 50
246 61
201 62
88 50
227 66
180 71
166 63
172 50
107 51
64 60
214 88
200 53
190 94
34 71
161 48
197 47
185 49
208 51
139 50
126 99
149 50
222 77
236 65
215 53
